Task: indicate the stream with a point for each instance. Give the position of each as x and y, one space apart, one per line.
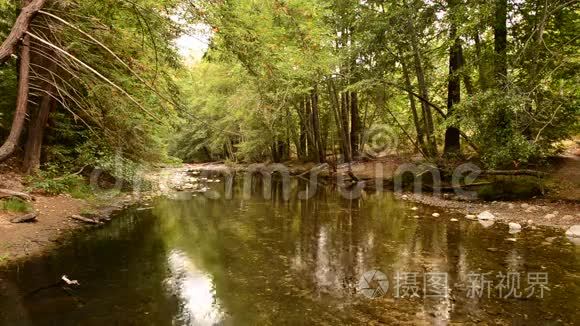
239 259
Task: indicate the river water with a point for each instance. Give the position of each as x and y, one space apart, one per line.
252 260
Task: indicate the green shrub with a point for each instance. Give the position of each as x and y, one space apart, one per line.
15 205
74 185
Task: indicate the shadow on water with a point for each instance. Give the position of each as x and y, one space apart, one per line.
248 260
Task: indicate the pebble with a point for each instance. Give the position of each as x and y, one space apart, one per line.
573 231
454 220
549 216
511 239
414 208
436 214
567 217
470 216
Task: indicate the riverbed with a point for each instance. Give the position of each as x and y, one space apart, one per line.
233 257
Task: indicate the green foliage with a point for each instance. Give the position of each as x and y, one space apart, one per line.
246 100
74 185
15 205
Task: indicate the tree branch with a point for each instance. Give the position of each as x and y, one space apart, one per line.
19 28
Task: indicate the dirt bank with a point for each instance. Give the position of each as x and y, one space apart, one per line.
53 222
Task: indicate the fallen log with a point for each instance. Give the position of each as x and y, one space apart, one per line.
6 193
28 218
87 220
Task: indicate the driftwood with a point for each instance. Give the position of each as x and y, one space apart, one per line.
6 193
24 218
87 220
65 284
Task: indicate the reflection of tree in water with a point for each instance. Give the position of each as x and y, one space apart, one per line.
298 260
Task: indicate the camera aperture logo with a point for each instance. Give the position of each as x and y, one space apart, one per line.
373 284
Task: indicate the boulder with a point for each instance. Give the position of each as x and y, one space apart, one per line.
28 218
486 216
573 231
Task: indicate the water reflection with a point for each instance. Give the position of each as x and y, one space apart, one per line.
268 261
195 291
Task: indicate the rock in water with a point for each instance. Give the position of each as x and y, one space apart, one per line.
515 228
573 231
24 218
486 216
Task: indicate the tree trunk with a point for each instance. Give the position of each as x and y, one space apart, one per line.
301 150
320 151
500 43
336 109
416 120
33 149
19 28
13 139
481 67
452 136
355 125
344 115
427 116
310 141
